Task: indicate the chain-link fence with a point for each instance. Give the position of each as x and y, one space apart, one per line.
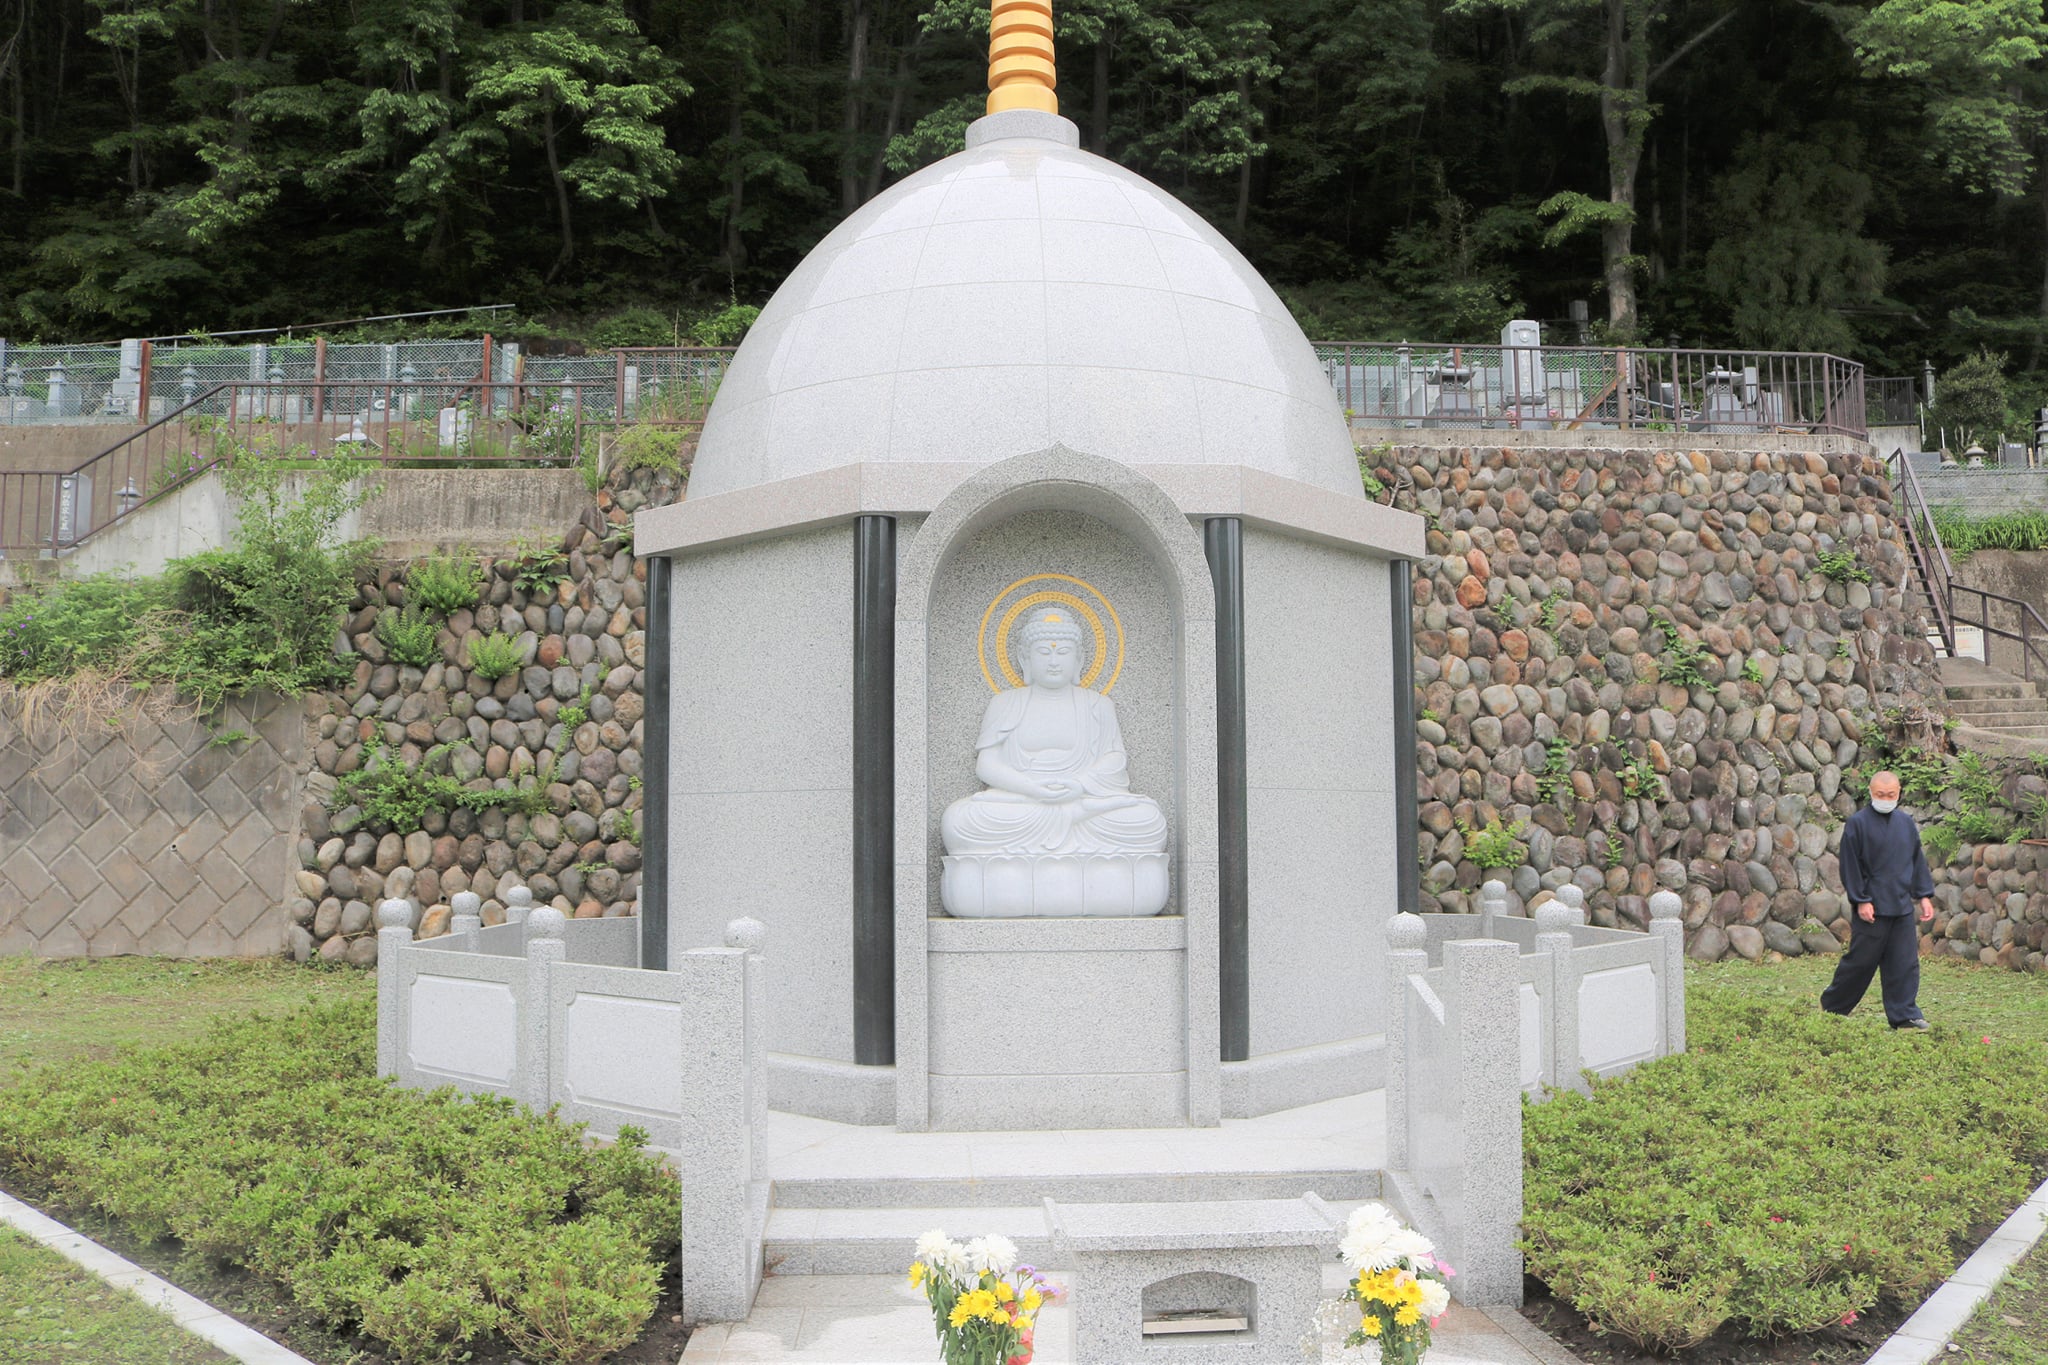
59 383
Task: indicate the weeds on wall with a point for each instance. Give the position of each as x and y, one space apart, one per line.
444 583
1960 798
391 794
493 656
260 613
1494 846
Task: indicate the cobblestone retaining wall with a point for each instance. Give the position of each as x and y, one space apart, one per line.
1535 620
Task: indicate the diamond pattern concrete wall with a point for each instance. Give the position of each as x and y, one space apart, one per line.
160 836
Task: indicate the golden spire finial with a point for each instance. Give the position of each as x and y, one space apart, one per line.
1020 65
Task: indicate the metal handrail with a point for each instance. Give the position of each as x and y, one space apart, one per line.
2032 628
1918 516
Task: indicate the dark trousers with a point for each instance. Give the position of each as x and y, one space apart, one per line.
1891 946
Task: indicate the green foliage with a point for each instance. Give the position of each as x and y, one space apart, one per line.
537 569
429 1219
576 714
1752 672
647 447
410 634
1496 845
1551 613
1374 488
260 613
1641 781
1729 1210
1971 401
1962 534
67 628
444 583
398 797
1683 658
1615 851
1555 781
1841 566
1791 260
634 327
726 327
494 655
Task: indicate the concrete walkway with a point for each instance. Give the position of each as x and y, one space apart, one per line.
881 1320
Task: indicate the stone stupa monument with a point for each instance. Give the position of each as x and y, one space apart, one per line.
1036 657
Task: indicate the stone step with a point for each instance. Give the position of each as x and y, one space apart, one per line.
1991 706
879 1241
1024 1191
1979 691
2019 731
2004 720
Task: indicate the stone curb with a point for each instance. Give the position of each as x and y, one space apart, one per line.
201 1319
1927 1333
1531 1338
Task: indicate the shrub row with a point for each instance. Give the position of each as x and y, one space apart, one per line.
1786 1173
430 1220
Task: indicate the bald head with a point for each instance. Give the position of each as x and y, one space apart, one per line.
1884 790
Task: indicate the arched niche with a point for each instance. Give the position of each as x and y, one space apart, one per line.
1063 511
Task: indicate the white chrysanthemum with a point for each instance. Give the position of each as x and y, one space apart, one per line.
999 1254
1435 1298
931 1246
1408 1244
1367 1238
955 1264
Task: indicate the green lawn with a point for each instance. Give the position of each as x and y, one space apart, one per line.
97 1009
2012 1327
1954 995
50 1311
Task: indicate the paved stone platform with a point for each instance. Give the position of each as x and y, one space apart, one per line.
881 1320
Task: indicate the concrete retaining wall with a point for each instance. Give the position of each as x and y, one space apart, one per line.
163 836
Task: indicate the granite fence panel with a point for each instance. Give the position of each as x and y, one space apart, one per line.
165 834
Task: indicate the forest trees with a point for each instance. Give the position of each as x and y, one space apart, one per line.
1865 177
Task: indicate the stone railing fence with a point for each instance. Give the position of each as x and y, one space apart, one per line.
1489 1008
556 1012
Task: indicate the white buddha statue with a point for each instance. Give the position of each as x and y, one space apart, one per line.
1057 831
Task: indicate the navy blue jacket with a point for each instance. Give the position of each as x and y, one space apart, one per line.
1882 863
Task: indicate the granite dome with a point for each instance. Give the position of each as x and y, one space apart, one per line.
1020 295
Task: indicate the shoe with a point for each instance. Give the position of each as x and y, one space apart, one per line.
1917 1025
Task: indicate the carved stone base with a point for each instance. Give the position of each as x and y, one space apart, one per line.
1054 885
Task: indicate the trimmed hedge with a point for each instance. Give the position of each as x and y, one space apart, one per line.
1788 1172
430 1219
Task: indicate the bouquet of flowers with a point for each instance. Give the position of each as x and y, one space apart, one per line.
1397 1283
984 1305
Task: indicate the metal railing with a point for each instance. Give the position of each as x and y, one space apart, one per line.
1995 615
1891 401
455 422
1569 388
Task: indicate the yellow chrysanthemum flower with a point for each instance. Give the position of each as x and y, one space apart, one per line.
1371 1326
1024 1321
1005 1292
1032 1299
917 1272
960 1314
999 1318
1408 1316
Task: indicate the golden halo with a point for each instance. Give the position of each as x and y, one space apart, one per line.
1087 612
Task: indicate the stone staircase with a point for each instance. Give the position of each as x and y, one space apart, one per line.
1995 710
851 1201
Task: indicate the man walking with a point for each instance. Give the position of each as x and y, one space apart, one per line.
1884 872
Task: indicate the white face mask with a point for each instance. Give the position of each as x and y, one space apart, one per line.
1884 804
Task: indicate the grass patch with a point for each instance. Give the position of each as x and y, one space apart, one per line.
54 1013
2011 1328
429 1220
1793 1170
51 1310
